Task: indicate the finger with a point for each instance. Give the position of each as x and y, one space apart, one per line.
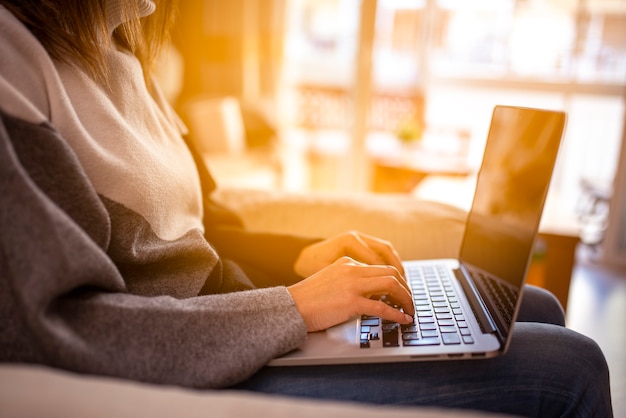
382 271
369 271
381 309
371 250
391 287
385 250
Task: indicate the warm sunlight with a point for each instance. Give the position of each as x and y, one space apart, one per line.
438 68
468 59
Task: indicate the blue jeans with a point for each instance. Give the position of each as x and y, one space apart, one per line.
548 371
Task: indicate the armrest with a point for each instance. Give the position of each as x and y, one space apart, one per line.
419 229
34 391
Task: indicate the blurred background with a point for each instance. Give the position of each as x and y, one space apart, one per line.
396 96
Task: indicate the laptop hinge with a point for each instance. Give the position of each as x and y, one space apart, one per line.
478 305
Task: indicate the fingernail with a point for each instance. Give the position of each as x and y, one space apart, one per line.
408 318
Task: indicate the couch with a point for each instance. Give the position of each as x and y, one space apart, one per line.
35 391
415 227
418 229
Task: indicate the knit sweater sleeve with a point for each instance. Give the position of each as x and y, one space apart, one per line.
64 302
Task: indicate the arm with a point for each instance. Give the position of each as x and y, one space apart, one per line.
64 303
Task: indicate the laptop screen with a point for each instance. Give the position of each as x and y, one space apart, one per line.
512 184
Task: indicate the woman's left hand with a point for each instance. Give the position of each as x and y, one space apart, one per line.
356 245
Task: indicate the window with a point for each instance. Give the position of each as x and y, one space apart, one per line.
439 67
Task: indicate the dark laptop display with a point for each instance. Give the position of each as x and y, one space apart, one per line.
508 202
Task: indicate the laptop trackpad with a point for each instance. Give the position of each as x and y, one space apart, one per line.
337 341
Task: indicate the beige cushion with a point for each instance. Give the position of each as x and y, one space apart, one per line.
32 391
419 229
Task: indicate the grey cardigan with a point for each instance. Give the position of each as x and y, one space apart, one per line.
76 291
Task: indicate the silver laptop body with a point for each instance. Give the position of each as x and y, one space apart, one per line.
465 307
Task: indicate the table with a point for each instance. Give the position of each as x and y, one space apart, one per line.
404 175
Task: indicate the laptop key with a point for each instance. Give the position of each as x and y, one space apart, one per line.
422 342
451 338
409 328
372 322
391 326
447 329
390 338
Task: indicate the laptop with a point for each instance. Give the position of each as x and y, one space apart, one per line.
465 308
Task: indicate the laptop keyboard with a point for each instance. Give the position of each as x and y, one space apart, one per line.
503 294
438 318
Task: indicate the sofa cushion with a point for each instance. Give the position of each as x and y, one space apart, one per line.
419 229
33 391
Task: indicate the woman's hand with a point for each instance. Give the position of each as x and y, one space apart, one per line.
348 288
358 246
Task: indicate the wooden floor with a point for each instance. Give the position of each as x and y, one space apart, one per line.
597 309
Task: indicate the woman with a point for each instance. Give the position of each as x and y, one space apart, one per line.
117 262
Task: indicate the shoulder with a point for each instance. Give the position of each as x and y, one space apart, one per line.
26 71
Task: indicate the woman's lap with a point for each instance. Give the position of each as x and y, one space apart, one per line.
539 305
547 370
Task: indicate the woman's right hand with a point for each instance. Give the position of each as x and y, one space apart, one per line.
348 288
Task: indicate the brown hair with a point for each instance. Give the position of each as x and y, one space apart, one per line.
75 31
